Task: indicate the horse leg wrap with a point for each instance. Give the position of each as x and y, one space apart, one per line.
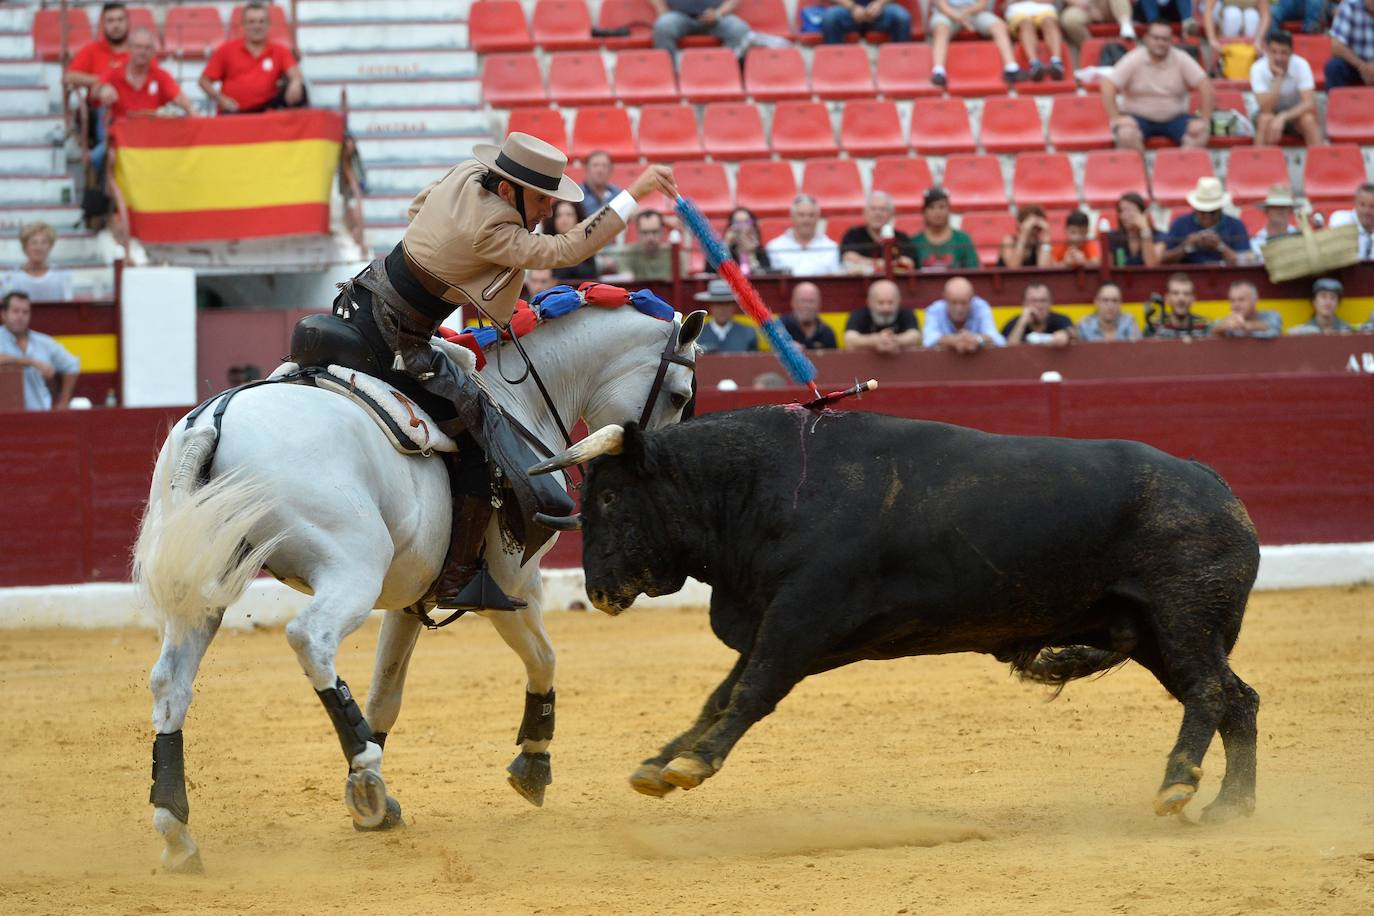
169 777
537 724
354 732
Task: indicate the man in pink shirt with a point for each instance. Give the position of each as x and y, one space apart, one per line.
1154 82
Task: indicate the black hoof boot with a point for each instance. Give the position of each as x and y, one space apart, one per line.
530 774
391 821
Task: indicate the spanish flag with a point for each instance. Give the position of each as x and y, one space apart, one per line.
232 177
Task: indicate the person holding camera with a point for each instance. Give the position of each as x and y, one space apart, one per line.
1207 235
1030 246
1171 315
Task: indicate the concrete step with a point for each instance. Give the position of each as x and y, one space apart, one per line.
393 36
36 189
17 17
384 65
14 216
16 45
377 208
397 93
394 121
31 129
37 159
72 248
403 178
317 11
24 100
21 72
447 147
383 238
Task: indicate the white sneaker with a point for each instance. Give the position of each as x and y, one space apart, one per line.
1128 30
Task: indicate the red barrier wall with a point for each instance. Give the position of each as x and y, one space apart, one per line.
1298 449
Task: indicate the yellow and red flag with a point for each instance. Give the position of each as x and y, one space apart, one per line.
245 176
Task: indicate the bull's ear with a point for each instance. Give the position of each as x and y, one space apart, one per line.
638 452
692 327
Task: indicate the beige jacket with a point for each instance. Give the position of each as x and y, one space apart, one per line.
472 241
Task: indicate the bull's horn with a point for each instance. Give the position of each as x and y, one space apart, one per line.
559 522
608 440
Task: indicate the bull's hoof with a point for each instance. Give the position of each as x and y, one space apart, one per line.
530 774
366 799
1171 799
184 865
648 780
686 772
390 821
1225 810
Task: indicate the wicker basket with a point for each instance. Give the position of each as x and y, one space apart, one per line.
1291 257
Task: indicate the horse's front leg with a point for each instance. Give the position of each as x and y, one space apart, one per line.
395 644
531 772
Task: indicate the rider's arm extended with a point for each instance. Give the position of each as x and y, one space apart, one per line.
505 242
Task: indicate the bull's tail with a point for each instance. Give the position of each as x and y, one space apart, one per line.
192 557
1056 667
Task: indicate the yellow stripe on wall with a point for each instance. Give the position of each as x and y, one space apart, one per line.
228 177
97 352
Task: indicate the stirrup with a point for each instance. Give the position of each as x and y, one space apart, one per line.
483 594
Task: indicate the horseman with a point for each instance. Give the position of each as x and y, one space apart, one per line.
470 240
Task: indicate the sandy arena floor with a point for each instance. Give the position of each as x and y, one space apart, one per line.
927 785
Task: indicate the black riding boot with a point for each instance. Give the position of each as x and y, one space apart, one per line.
464 584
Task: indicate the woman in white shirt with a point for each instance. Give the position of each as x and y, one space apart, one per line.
36 279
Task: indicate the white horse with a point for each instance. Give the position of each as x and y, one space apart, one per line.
303 482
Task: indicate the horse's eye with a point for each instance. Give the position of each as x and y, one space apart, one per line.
679 400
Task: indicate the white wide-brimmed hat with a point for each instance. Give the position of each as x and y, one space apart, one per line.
532 163
1209 195
1280 195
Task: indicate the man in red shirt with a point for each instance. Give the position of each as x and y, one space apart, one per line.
251 69
94 62
141 85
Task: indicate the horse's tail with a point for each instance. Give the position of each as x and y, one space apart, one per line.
192 557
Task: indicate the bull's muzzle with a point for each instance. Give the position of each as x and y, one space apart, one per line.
608 440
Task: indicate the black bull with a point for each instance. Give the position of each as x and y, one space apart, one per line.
834 538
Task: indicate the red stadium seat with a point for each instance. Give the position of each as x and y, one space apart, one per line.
493 26
1254 219
603 128
766 16
1046 86
835 183
773 74
278 29
512 80
1107 174
1332 173
904 71
871 127
1348 117
802 130
940 126
841 72
706 185
1316 50
975 69
669 132
709 75
636 15
1011 125
193 31
1045 179
623 174
1225 100
766 187
734 130
562 25
47 32
1091 52
1252 170
1079 122
645 77
140 17
975 183
544 123
578 78
1176 173
905 178
910 223
987 231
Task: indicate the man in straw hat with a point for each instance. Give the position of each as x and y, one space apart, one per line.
1207 235
470 240
1278 213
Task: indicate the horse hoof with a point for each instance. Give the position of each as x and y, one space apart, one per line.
530 774
365 798
391 821
1171 799
686 772
184 865
1221 812
648 780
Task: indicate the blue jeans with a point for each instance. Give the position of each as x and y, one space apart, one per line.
838 22
1309 11
1339 74
1174 128
1153 11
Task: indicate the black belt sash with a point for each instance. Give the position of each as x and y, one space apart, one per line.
421 299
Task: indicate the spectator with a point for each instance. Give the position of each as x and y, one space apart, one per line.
1077 15
1078 250
1037 324
882 325
537 280
596 184
1246 318
1352 46
939 246
948 17
141 85
1362 216
1309 12
1326 298
1177 318
42 358
1180 11
1029 20
1278 214
861 247
801 250
1286 94
565 215
742 238
1154 82
848 17
651 257
961 322
804 322
1030 246
1246 19
254 74
723 334
36 279
97 59
1132 243
1108 322
679 18
1206 236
